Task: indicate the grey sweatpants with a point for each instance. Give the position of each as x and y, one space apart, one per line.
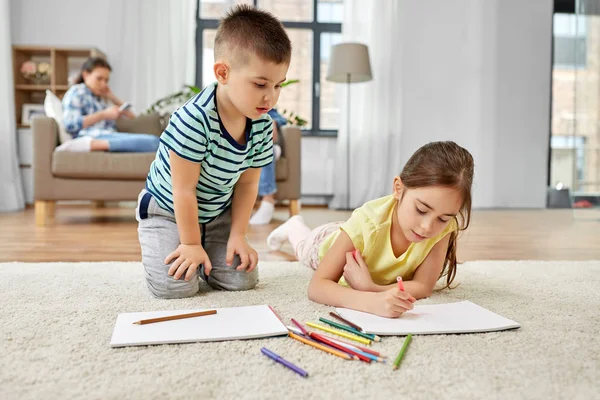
159 237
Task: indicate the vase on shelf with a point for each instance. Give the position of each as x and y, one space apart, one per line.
37 73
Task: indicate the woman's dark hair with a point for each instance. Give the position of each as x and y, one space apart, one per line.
90 65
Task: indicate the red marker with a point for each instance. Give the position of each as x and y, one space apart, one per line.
400 283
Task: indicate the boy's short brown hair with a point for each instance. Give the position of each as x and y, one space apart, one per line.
245 30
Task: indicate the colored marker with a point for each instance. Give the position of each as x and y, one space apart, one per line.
351 330
280 360
400 283
340 333
402 351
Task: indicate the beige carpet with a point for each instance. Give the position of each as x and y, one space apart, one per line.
56 322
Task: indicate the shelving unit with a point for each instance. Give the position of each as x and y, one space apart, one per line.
63 63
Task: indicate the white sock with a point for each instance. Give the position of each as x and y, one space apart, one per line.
280 235
264 213
81 144
277 151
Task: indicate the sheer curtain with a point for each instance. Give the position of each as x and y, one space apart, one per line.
11 188
375 115
152 48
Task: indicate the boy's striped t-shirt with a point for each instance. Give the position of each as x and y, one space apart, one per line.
195 132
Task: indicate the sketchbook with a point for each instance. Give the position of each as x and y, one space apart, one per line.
250 322
459 317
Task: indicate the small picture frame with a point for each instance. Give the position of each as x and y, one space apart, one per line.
31 110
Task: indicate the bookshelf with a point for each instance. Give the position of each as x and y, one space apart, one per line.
64 62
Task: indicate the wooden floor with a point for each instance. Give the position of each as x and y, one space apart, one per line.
85 233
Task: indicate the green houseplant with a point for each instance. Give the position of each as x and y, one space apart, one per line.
170 103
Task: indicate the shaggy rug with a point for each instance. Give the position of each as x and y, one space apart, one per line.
57 320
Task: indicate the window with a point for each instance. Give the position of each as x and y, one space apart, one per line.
569 41
575 124
313 27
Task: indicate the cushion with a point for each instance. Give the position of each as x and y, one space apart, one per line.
101 165
281 169
122 166
145 123
53 109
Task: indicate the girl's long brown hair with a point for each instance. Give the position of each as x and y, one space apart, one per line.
443 164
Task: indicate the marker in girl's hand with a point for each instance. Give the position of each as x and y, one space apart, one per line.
401 288
400 283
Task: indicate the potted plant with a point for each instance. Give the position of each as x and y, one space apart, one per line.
168 104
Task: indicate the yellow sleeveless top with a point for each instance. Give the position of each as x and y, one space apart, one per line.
369 229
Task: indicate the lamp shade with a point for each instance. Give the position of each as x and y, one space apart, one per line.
349 62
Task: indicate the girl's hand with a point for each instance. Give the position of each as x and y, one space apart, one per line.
112 113
391 303
248 256
356 273
187 258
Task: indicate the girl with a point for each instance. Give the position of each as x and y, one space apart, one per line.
89 118
411 233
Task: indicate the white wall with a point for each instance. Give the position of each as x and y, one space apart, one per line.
69 23
65 23
478 72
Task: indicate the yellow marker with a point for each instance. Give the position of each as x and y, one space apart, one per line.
339 333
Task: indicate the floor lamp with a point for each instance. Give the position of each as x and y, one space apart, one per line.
349 63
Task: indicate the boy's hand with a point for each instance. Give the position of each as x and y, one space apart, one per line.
356 273
248 256
188 258
391 303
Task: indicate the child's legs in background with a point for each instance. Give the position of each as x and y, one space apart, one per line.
266 184
120 142
159 237
266 189
215 235
306 243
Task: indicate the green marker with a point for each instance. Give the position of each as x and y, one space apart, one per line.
402 351
369 336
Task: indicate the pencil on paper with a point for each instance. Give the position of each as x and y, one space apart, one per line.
173 317
345 321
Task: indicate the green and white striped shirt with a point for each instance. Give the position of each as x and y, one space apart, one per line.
196 133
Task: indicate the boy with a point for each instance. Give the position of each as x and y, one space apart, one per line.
202 186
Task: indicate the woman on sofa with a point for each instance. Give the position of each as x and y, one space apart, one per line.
89 116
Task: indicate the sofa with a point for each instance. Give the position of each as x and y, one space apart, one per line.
101 176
